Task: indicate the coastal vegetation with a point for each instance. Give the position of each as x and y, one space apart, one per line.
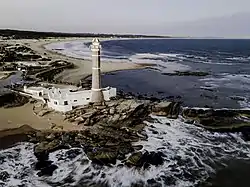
19 34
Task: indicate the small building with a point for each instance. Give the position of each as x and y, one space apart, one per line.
35 91
64 100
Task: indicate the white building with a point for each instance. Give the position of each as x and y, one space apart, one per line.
66 99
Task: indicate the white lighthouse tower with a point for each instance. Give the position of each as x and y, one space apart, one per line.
96 91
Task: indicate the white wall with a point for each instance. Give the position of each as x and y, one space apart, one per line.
77 98
60 108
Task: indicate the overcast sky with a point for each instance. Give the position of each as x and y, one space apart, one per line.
119 16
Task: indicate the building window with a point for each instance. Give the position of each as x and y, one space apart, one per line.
55 102
75 100
87 98
66 103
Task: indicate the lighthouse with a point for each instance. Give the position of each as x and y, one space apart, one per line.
96 91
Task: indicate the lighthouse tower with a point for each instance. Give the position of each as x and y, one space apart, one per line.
96 91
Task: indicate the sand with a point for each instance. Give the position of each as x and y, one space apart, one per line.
24 115
84 67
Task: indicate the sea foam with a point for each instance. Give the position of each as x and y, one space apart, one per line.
191 155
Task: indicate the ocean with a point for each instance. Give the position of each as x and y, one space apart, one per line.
226 60
192 154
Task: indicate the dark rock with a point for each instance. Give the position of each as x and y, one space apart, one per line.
146 159
43 149
138 147
168 109
73 153
134 159
4 176
102 157
47 171
218 120
42 164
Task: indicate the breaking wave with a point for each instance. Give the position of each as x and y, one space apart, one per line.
191 155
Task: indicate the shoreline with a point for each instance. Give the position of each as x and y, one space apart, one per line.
84 66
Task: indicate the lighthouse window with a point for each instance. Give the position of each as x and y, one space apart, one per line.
65 102
75 100
87 98
55 103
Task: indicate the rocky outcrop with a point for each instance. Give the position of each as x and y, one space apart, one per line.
218 120
167 109
119 114
146 159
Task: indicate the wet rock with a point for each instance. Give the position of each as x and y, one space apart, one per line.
4 176
42 164
146 159
43 149
102 157
168 109
138 147
134 159
47 171
73 153
218 120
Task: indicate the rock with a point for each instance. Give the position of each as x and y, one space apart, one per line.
47 171
89 114
51 137
138 147
102 157
146 159
43 112
43 149
134 159
42 164
4 176
111 111
218 120
73 153
168 109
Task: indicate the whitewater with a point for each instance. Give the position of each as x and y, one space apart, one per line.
191 155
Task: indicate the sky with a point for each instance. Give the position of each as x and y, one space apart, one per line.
121 16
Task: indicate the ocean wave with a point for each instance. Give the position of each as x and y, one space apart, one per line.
240 59
191 155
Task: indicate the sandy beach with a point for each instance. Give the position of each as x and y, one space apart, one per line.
84 67
24 115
